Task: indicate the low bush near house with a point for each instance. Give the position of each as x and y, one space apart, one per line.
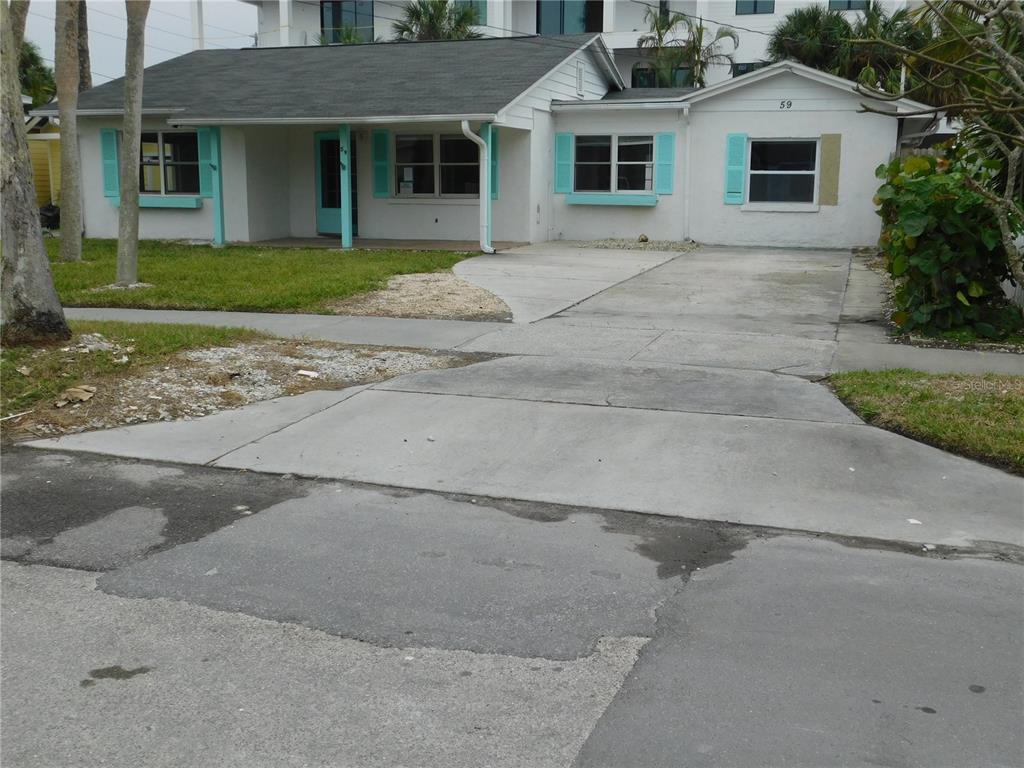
943 249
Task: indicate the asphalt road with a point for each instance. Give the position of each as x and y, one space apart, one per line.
161 615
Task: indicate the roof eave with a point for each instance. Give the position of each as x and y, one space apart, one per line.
298 120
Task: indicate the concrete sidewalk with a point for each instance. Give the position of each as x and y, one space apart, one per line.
346 329
695 443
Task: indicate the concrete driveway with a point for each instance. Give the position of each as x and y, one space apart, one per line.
759 309
537 281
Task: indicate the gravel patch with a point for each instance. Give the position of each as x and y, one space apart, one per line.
679 246
205 381
437 295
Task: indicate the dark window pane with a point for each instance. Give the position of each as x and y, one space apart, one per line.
594 178
149 178
415 179
634 178
639 149
739 69
593 149
643 77
781 188
338 15
568 17
549 17
744 7
414 149
181 179
782 155
181 147
460 179
458 149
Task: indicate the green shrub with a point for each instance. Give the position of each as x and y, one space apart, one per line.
943 248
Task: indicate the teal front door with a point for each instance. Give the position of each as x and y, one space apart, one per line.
328 185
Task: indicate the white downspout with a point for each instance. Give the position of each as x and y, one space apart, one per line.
687 173
485 187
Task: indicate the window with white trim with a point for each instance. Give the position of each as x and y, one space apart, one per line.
169 163
436 165
614 164
783 171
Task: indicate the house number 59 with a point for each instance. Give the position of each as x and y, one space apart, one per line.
785 104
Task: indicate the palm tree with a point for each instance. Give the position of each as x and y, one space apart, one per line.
35 76
30 308
814 36
131 142
702 50
437 20
681 50
871 60
661 47
66 55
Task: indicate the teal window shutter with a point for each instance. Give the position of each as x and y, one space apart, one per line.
563 163
381 164
111 171
664 162
205 162
735 167
494 162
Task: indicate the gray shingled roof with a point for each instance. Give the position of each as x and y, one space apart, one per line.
473 77
641 94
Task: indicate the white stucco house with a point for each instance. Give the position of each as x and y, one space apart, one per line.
397 140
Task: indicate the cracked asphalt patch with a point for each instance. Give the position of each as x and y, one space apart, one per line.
426 570
97 513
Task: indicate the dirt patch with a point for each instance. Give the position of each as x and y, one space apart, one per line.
437 295
201 382
611 244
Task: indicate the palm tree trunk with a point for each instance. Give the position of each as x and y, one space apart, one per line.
31 309
84 60
19 15
131 138
67 104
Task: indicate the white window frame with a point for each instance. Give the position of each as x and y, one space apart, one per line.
436 194
615 166
163 178
783 203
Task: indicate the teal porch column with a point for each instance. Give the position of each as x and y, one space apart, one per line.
487 133
345 158
216 186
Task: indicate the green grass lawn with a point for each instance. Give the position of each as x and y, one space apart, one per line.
51 371
235 277
977 416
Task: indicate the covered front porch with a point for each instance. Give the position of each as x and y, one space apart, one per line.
374 185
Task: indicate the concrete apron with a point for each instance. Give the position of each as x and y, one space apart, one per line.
740 446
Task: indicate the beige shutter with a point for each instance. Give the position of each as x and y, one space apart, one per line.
828 180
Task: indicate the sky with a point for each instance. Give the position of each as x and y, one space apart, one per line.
228 24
